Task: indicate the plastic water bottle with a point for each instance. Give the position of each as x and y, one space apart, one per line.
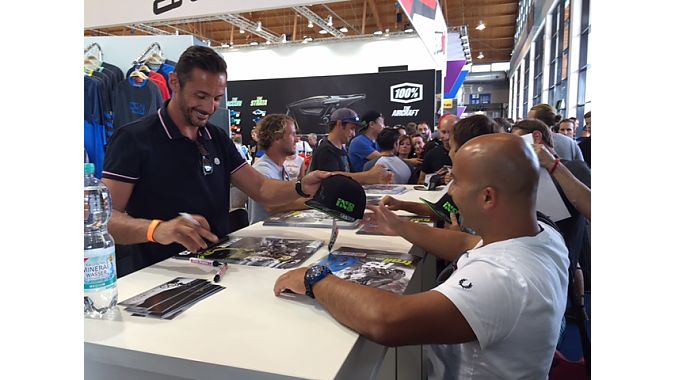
100 275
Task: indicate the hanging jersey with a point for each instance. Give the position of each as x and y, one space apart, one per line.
135 100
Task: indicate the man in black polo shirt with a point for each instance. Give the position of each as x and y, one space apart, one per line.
330 155
173 161
438 157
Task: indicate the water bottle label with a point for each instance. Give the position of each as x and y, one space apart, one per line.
99 269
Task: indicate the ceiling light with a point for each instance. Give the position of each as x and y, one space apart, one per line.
323 31
481 55
259 26
409 29
481 25
225 45
310 24
283 38
378 32
343 29
241 31
465 37
329 21
253 43
268 42
387 32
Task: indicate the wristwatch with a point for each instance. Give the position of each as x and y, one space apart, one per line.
299 190
313 275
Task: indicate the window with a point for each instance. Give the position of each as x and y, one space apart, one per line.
526 63
538 65
583 96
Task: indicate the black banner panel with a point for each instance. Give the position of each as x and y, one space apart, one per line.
401 97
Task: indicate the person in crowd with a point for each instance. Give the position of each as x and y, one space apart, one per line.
424 131
237 140
331 155
277 136
436 158
401 129
418 145
578 204
585 142
254 150
411 128
504 124
564 146
174 161
312 140
405 147
388 140
303 147
463 131
499 314
364 147
566 127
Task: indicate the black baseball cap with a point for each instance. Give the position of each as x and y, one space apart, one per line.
368 117
340 197
346 115
443 207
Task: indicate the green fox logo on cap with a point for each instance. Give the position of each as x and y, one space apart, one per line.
345 205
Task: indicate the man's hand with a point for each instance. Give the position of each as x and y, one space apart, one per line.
392 203
293 280
311 182
379 174
454 225
545 155
183 231
382 220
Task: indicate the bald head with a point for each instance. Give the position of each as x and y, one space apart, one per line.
502 161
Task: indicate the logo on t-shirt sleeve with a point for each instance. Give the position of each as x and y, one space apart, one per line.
465 283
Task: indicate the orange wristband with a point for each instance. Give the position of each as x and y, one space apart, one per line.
151 229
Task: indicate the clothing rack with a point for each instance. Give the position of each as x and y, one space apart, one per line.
99 51
153 49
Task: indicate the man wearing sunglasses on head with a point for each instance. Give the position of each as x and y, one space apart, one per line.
174 161
330 155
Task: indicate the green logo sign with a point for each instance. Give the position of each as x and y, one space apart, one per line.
448 206
345 205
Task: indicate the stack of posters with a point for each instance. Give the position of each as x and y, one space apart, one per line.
307 218
384 189
170 299
369 229
259 251
384 270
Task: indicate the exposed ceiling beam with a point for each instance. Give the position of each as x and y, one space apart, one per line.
249 26
311 16
336 15
374 11
363 18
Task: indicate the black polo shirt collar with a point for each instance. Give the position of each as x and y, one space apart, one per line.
170 127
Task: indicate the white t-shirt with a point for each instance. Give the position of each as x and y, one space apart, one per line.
402 173
513 295
269 169
302 147
293 166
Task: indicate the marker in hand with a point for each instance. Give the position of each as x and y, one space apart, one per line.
189 218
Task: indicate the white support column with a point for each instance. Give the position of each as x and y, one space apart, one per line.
574 57
547 46
522 75
531 74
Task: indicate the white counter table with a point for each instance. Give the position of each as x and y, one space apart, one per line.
242 332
